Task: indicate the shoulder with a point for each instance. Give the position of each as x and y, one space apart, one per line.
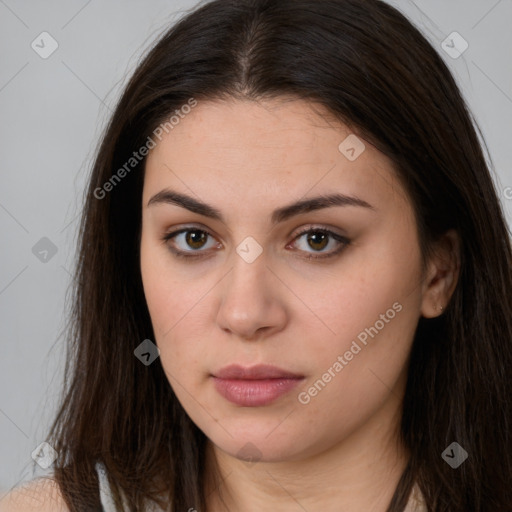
41 494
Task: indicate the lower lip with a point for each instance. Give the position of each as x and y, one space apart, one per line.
254 393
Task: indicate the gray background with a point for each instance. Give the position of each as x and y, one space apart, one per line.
52 112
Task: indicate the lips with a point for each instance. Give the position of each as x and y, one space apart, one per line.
262 371
254 386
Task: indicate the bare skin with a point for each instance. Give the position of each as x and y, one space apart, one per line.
336 449
39 495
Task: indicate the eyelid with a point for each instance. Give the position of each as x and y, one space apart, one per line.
317 227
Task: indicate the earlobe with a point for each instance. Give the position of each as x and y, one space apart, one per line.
431 308
444 271
433 312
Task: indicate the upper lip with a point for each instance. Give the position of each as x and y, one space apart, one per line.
261 371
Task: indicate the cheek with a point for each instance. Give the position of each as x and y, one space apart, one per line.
354 373
372 342
156 288
372 312
166 292
160 290
176 308
366 295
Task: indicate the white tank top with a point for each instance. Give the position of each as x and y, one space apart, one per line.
105 496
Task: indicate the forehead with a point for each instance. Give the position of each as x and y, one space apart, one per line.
269 148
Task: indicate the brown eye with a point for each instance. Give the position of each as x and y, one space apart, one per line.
196 239
317 240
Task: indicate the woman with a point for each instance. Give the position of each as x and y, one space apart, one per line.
293 289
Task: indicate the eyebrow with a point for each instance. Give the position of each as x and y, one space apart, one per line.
168 196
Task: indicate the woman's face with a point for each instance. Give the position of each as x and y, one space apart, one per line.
331 314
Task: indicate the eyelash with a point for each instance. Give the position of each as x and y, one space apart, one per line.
190 254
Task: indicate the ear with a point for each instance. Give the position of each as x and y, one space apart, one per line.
442 275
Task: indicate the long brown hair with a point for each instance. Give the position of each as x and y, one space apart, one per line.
374 71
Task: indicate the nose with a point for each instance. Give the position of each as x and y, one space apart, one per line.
252 302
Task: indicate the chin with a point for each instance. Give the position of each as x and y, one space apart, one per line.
257 445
